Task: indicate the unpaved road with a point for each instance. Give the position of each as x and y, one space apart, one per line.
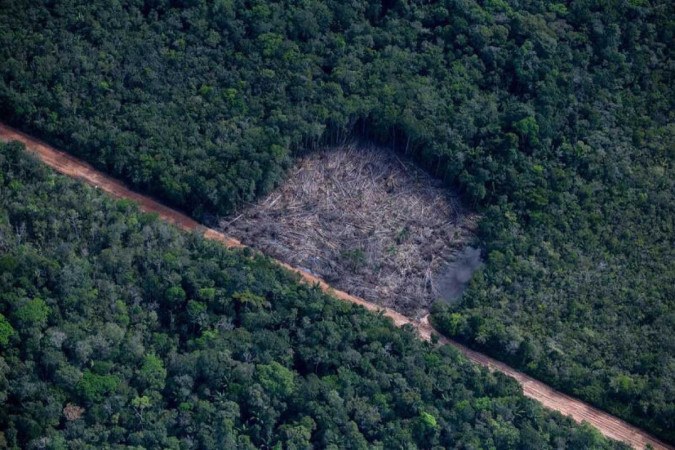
607 424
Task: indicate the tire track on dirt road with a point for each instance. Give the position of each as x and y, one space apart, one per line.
608 425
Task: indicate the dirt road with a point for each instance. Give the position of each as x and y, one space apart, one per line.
607 424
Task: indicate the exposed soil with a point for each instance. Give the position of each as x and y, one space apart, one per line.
366 221
608 425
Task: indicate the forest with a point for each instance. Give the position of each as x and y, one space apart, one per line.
554 120
116 330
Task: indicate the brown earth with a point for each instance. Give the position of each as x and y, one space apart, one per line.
608 425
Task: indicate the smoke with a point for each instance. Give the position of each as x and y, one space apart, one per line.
451 282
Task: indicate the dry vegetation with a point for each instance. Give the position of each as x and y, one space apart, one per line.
367 222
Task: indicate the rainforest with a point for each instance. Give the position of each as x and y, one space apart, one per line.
551 121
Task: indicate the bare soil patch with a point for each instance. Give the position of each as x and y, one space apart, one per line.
367 222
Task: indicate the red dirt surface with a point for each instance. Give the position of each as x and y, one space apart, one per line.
610 426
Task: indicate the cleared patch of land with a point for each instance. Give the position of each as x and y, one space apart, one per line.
366 221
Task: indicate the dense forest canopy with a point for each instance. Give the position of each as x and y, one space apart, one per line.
116 330
554 118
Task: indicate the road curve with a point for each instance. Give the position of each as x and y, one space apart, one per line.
608 425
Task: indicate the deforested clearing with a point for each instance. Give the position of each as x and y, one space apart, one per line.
367 221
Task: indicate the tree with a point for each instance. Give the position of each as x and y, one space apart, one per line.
152 373
6 330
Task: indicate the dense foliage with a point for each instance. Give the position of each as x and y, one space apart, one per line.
556 119
115 329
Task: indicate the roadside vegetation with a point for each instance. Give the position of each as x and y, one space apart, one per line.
554 121
116 330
